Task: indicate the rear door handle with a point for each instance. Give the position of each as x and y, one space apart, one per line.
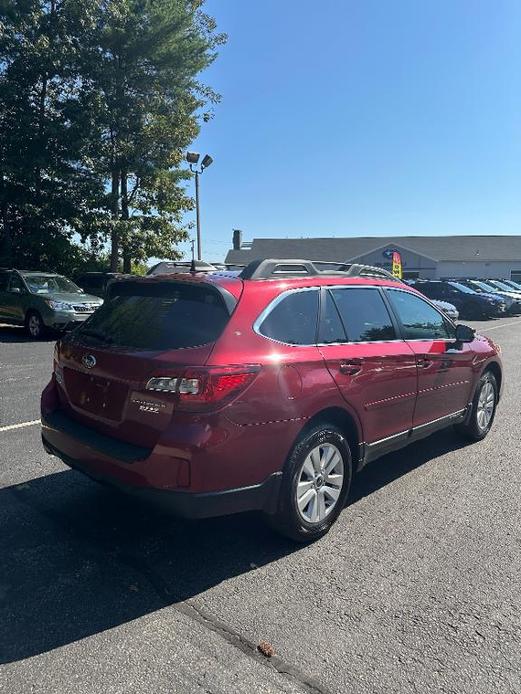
350 367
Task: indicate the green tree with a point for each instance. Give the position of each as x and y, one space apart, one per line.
143 65
98 101
44 185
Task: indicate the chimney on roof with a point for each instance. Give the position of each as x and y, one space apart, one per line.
237 239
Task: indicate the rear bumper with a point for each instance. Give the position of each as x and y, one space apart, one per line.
259 497
147 474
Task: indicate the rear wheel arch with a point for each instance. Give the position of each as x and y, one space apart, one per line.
345 422
316 442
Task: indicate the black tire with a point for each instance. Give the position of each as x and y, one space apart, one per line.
34 325
476 428
288 520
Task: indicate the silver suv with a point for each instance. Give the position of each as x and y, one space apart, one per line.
43 300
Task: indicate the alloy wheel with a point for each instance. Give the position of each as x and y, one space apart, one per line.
486 404
319 483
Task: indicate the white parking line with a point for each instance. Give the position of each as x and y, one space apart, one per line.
19 426
496 327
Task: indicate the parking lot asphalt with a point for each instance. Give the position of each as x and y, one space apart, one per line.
415 589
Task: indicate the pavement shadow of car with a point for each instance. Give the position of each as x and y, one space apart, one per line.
13 334
394 465
77 559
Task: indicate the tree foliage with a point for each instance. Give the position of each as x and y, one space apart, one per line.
98 101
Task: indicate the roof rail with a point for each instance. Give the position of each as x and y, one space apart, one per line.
274 268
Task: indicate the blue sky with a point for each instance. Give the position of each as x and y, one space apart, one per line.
366 117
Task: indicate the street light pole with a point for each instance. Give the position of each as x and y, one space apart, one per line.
198 216
192 158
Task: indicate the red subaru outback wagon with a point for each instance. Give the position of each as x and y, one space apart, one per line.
220 393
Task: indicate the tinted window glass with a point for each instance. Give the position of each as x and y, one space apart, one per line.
91 283
419 319
364 315
434 290
331 328
293 320
16 283
485 287
4 279
461 288
159 316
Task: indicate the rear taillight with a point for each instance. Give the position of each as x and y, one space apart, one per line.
202 389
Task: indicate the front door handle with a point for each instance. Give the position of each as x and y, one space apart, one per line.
350 367
423 361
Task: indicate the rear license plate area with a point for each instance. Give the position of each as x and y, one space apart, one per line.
94 394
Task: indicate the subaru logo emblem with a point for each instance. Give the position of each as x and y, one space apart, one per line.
88 360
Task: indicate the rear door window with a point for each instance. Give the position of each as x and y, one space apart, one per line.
293 319
16 283
331 327
364 314
160 316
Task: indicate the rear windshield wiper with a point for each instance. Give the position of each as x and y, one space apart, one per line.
97 334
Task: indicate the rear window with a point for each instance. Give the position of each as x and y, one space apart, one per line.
293 319
159 316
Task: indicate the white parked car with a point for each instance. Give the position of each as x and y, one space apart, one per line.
449 309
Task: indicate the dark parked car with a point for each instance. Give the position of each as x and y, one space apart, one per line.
214 394
506 288
96 282
482 287
516 286
470 304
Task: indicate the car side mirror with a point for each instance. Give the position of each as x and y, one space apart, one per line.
464 333
15 290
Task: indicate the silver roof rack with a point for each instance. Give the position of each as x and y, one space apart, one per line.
274 268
